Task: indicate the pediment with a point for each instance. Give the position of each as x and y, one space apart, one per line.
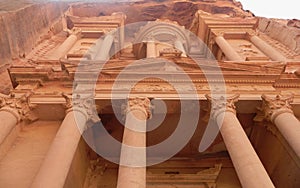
162 66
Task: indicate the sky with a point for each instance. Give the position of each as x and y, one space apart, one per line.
287 9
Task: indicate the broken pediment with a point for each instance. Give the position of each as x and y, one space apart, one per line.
146 65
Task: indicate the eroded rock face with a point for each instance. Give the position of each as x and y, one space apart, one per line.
181 11
22 29
284 31
24 23
294 23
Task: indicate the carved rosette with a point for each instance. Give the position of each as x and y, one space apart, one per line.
82 104
273 107
221 104
142 104
21 107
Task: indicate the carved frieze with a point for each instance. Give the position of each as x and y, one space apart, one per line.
153 87
272 107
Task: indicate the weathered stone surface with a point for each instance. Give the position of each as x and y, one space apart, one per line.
50 67
22 29
283 31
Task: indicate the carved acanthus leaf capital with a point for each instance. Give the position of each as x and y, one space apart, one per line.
140 103
272 107
21 107
84 104
222 104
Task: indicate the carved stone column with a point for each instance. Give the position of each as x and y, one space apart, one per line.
151 49
228 50
12 111
248 166
56 165
132 171
266 48
63 49
103 52
178 45
279 111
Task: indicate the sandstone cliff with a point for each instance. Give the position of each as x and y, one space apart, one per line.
23 25
285 31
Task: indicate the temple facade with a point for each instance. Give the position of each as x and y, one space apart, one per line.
113 98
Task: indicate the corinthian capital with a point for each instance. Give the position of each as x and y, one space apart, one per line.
20 107
83 104
142 104
222 104
272 107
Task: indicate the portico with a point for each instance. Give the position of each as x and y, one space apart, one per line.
107 108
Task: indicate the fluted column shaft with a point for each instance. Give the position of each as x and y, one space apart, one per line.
279 111
266 48
228 50
248 166
132 169
151 49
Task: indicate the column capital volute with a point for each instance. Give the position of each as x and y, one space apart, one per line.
222 104
274 106
83 104
142 104
20 107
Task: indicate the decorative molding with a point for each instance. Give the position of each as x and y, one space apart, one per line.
208 176
83 104
273 107
21 107
222 104
142 104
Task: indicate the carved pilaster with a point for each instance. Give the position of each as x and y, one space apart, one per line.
221 104
273 107
21 107
142 104
83 104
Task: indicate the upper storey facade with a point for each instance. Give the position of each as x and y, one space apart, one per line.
227 44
